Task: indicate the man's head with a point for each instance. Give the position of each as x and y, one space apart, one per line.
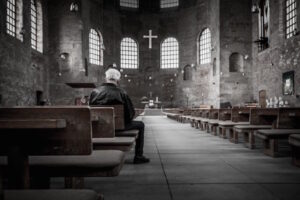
112 76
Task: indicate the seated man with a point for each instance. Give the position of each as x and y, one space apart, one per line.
110 94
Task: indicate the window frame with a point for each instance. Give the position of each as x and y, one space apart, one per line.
205 47
127 4
11 17
131 51
34 24
172 4
289 19
169 55
95 45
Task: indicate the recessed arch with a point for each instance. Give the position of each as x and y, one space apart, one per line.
236 62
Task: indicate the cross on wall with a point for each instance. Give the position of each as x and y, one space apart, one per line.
150 37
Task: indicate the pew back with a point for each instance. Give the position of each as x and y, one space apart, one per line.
214 114
264 116
119 115
46 130
240 114
288 118
224 114
103 122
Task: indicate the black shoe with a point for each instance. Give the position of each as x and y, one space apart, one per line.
140 160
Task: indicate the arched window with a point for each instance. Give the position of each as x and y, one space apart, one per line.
169 3
129 3
129 53
14 18
95 47
236 63
205 47
263 24
187 73
170 53
291 18
36 22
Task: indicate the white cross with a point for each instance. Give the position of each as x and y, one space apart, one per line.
150 37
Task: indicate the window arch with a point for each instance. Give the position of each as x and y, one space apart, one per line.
264 25
36 22
291 18
14 18
236 63
187 73
168 3
129 53
170 53
205 46
129 3
95 47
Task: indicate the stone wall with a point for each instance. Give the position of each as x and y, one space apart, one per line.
65 60
282 56
23 71
235 37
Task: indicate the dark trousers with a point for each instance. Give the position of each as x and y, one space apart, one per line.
139 143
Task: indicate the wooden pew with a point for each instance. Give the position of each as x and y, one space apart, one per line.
260 118
60 146
120 124
213 121
51 195
221 116
60 131
294 141
104 125
203 120
238 116
287 123
173 113
195 115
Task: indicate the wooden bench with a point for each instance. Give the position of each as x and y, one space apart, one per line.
56 149
202 121
173 113
194 117
213 121
287 123
294 141
238 116
51 195
223 115
260 118
104 126
271 137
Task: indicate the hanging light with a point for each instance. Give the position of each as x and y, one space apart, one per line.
74 7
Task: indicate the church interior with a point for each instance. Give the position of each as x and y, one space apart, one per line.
216 83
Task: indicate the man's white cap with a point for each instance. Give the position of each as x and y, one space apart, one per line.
112 74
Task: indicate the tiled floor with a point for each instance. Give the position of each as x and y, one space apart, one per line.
189 164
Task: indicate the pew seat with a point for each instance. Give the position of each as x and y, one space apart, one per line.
106 163
271 137
228 125
127 133
212 125
294 141
115 143
51 195
248 132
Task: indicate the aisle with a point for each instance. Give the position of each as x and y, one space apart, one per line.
189 164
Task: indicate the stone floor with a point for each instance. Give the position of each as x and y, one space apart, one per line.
189 164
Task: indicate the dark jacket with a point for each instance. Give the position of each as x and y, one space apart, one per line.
110 94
